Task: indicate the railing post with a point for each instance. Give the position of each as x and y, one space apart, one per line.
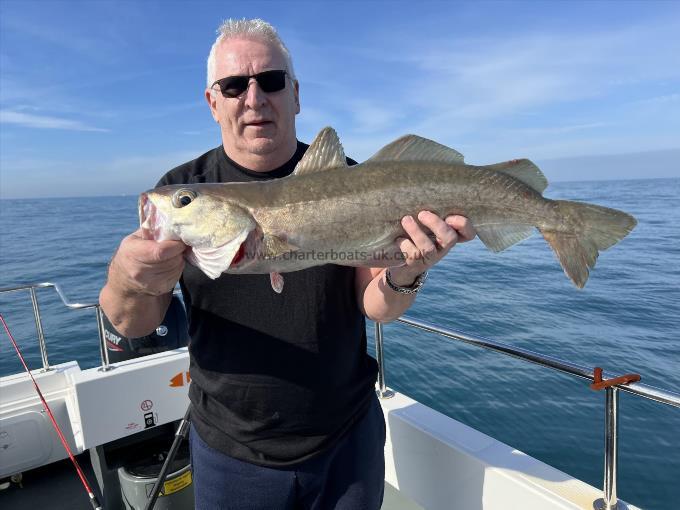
383 392
611 447
102 340
39 329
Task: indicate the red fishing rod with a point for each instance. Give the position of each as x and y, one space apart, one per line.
93 499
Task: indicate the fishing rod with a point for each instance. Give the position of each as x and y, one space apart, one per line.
93 499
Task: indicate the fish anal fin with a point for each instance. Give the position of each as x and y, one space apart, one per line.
325 152
499 236
417 148
523 170
276 280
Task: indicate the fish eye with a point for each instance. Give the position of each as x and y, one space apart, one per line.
183 197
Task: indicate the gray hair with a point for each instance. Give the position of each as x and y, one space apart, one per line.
248 28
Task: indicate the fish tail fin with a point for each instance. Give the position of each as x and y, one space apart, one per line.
596 228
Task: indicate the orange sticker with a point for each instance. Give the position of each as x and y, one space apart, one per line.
180 379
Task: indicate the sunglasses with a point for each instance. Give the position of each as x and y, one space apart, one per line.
269 81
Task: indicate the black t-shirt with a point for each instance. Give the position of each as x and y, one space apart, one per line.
275 378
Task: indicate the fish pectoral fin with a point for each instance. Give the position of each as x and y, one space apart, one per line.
274 246
325 152
499 236
215 261
523 170
276 280
417 148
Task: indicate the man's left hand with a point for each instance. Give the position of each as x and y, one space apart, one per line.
421 251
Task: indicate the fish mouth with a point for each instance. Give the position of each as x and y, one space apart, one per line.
151 220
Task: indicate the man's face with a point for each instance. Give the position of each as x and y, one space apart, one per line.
255 124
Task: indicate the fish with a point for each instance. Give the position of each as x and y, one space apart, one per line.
329 212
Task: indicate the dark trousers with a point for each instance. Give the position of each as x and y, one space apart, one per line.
350 476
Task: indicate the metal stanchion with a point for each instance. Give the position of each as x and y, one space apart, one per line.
39 329
383 392
611 446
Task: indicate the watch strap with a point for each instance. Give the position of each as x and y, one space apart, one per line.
412 289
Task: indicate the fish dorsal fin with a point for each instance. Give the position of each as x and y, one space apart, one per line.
324 153
523 170
417 148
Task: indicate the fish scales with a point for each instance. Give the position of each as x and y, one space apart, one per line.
440 188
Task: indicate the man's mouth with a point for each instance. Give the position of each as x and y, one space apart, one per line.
259 123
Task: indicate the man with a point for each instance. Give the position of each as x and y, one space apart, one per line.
284 413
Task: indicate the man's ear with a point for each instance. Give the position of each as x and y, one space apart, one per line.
211 98
297 96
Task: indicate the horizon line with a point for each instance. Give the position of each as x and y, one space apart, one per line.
123 195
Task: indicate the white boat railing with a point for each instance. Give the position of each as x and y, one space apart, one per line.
31 288
609 500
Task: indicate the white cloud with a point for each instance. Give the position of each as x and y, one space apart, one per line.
555 130
44 121
574 81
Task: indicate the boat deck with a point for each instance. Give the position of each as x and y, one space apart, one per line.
53 486
57 486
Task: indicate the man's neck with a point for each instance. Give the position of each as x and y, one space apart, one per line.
262 162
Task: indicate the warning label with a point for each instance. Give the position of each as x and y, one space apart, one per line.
174 485
177 484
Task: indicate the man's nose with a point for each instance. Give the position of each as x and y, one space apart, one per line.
255 97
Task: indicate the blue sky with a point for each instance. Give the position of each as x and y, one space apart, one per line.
101 98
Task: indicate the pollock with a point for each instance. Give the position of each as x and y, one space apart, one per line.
329 212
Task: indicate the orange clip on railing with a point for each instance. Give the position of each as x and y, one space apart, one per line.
600 384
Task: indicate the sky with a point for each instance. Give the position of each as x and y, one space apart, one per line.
102 98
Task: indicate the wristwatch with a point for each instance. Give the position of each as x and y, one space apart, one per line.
415 286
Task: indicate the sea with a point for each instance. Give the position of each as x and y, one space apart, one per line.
626 319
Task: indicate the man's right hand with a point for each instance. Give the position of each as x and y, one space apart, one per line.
142 275
142 266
